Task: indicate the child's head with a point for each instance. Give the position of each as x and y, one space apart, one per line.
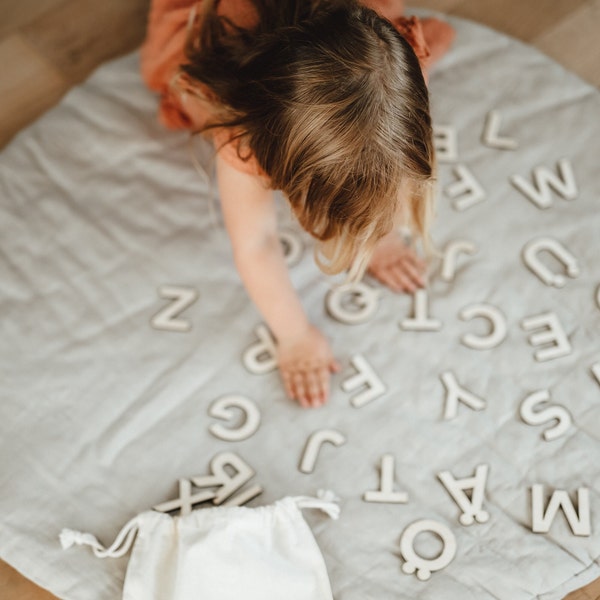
331 102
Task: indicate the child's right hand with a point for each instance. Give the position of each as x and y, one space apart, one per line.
305 363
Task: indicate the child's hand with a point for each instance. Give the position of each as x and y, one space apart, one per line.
396 265
305 363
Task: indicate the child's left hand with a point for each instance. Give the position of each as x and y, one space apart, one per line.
396 265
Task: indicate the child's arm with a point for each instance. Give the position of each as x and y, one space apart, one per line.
304 355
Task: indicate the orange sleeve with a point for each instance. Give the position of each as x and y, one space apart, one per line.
411 29
430 38
161 54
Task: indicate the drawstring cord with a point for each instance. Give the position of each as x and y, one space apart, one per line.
120 546
325 501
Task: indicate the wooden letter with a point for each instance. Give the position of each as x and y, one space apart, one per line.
386 493
491 131
261 357
451 253
421 321
424 567
466 191
456 393
313 445
352 303
227 483
446 143
554 335
540 193
532 249
533 417
471 507
166 318
365 376
579 521
222 409
498 326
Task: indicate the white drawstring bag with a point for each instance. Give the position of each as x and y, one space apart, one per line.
222 553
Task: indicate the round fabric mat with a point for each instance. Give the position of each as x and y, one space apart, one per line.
109 374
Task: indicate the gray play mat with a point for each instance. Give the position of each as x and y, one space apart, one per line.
111 394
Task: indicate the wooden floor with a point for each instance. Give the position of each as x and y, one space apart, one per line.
47 46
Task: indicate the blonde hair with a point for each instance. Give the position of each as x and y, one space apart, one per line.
331 102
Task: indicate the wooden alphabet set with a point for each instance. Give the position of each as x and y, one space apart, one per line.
237 417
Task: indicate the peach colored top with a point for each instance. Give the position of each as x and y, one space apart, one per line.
163 52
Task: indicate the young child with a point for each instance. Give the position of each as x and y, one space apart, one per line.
325 100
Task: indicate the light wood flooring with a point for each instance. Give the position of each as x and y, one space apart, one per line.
48 46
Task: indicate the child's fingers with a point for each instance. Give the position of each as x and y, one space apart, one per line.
304 365
286 375
303 393
385 276
314 388
415 260
413 272
320 387
309 389
402 280
299 389
323 376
